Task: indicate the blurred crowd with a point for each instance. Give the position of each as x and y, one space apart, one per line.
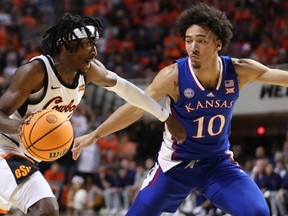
139 37
138 40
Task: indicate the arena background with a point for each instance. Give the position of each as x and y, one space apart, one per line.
138 41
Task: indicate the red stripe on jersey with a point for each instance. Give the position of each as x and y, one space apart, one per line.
155 178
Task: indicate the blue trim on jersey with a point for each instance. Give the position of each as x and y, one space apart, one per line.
206 114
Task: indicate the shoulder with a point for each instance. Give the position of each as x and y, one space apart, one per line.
248 70
167 76
247 64
33 70
166 82
98 64
96 72
99 75
169 71
28 78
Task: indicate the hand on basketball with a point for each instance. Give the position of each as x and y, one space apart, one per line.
28 117
82 142
176 129
25 121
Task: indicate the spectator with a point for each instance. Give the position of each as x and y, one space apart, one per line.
88 161
260 152
79 121
102 181
261 178
55 177
282 197
274 184
138 180
126 149
76 198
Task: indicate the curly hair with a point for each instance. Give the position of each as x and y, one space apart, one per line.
62 33
205 16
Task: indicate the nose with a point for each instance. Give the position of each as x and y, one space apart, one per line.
194 46
190 46
94 52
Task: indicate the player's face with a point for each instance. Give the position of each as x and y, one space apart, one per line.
85 53
201 45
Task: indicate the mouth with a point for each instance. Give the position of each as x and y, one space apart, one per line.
194 56
88 62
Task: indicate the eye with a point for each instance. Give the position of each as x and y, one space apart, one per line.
91 44
201 41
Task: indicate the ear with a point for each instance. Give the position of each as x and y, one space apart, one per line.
218 45
70 46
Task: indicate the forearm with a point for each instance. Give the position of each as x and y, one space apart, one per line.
137 97
124 116
8 125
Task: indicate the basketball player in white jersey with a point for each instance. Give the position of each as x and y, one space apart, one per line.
56 80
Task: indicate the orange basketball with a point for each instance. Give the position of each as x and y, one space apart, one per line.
47 135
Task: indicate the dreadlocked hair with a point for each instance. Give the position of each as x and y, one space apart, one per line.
62 33
205 16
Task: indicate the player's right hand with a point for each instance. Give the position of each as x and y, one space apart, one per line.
82 142
176 129
26 120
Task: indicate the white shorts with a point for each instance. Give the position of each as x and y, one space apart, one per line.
24 194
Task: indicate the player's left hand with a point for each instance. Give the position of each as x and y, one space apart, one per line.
82 142
176 129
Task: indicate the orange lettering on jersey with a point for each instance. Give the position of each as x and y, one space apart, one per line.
22 171
81 88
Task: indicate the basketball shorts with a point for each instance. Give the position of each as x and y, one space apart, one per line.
21 183
218 178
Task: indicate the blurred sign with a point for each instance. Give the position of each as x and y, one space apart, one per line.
258 98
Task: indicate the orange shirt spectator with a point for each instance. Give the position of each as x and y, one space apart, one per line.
108 142
3 37
55 177
126 148
29 22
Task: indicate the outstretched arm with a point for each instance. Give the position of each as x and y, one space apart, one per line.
249 70
127 114
102 77
137 97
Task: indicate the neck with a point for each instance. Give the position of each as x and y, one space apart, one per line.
208 75
208 70
65 69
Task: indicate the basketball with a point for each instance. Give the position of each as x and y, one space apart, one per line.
47 135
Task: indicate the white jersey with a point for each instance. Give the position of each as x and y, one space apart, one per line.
55 94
